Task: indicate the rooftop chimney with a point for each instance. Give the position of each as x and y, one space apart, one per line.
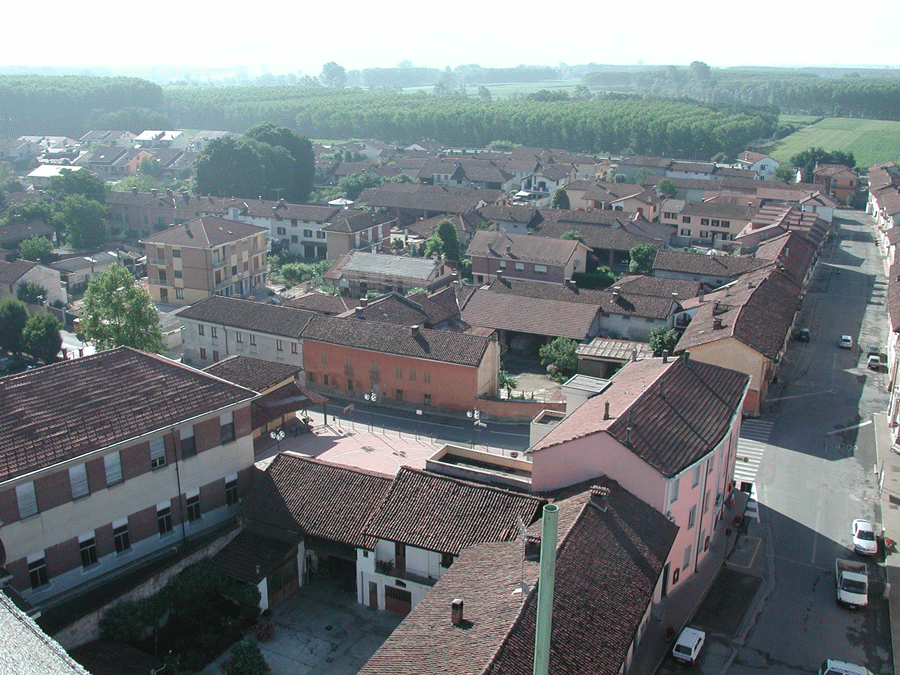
606 410
600 497
134 190
508 250
687 359
701 294
456 612
633 355
363 302
414 329
717 322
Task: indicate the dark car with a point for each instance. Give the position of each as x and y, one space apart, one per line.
803 335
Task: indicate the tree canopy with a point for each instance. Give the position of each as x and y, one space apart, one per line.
808 159
83 183
667 187
41 337
449 240
84 221
37 249
119 312
333 75
642 257
560 359
560 199
13 317
662 340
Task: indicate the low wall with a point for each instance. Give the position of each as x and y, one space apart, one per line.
515 410
87 628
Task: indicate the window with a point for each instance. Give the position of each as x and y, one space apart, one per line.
446 559
121 538
348 366
280 230
426 376
193 507
307 233
695 481
294 348
399 372
715 223
310 377
252 339
375 371
704 221
692 517
188 443
176 252
520 266
426 399
113 465
177 274
323 358
687 558
179 293
685 219
279 345
670 216
710 464
163 294
540 269
201 329
215 356
706 502
239 336
202 353
295 239
234 270
231 490
88 547
502 264
226 428
726 223
164 519
320 234
673 490
78 480
704 234
412 374
214 332
27 500
162 276
37 571
399 395
325 380
685 232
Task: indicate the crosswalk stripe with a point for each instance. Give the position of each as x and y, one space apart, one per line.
752 445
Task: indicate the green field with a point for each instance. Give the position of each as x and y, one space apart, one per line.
871 141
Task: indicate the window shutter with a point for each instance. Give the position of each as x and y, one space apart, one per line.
78 480
113 464
27 500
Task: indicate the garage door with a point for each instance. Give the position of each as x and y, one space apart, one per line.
397 600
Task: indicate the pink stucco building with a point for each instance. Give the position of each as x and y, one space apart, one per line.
667 431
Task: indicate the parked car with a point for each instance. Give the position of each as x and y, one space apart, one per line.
688 645
864 539
834 667
846 342
873 362
874 350
803 335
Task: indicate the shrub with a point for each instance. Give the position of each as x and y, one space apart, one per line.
246 658
264 630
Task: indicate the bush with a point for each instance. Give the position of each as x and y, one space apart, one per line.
246 659
601 278
264 630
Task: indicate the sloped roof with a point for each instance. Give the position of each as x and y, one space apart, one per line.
382 263
686 262
309 497
608 563
391 308
11 272
431 197
535 315
668 414
107 398
322 303
349 222
522 248
432 345
250 373
249 315
205 232
444 514
618 237
758 311
893 297
614 350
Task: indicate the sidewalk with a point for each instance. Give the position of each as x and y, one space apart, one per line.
888 465
683 602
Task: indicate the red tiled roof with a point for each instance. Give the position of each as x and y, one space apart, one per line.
205 232
668 414
249 315
251 557
322 303
309 497
256 374
443 514
522 248
524 314
68 409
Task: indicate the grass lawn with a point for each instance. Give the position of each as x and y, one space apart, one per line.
871 141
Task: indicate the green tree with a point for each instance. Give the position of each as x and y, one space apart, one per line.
229 167
505 380
150 166
447 233
13 317
699 70
31 293
134 120
667 187
559 358
245 658
36 249
333 75
662 340
41 337
397 245
572 234
642 257
434 245
355 183
786 173
83 219
560 199
119 312
83 182
28 210
297 182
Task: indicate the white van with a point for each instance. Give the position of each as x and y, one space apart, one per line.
687 646
833 667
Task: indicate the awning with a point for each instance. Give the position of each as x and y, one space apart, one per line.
283 401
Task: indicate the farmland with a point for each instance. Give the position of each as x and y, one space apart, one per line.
871 141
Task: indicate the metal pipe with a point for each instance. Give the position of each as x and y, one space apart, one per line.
544 618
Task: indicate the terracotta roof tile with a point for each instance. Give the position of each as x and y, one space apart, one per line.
249 315
106 398
250 373
444 514
540 316
522 248
205 232
322 303
309 497
722 266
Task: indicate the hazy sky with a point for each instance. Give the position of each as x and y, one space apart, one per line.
301 36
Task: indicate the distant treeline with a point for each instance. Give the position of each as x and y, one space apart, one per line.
634 124
795 92
412 76
68 105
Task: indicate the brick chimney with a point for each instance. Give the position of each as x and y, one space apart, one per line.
600 497
456 612
414 330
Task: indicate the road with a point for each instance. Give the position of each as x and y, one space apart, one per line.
818 472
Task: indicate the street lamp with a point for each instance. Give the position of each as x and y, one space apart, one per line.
372 397
278 436
475 416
